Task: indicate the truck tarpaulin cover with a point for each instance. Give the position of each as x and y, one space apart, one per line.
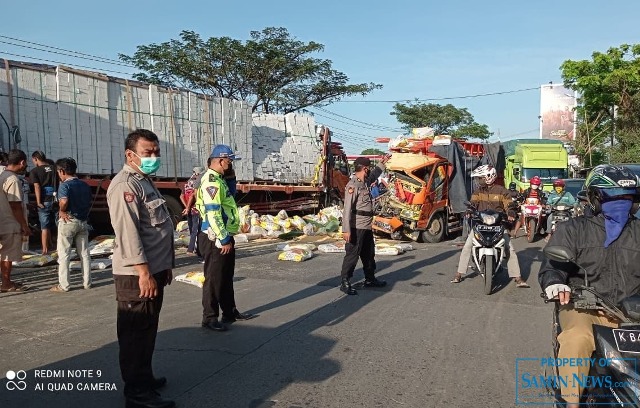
494 156
460 182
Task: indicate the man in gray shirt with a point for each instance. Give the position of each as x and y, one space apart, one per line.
357 218
143 260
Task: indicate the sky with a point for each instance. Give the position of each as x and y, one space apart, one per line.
415 49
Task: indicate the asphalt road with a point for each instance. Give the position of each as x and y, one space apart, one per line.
419 342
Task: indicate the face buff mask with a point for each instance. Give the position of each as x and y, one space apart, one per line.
616 215
149 165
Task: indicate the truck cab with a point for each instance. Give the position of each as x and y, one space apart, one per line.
549 161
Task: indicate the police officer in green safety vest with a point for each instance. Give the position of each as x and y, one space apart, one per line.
220 221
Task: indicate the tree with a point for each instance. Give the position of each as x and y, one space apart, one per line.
609 105
272 70
372 152
444 119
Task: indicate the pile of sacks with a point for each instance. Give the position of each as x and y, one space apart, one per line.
302 252
252 224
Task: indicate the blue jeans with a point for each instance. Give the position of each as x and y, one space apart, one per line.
73 231
47 216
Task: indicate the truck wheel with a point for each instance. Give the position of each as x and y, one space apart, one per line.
175 209
435 231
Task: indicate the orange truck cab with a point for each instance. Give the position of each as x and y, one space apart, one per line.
417 203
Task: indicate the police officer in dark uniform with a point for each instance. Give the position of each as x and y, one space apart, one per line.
357 218
143 260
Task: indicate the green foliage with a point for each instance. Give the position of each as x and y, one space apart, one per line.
444 119
373 151
609 79
272 70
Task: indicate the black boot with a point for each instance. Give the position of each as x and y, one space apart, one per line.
147 399
346 287
374 283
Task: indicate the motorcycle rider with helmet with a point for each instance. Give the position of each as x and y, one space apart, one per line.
534 191
605 244
558 196
495 197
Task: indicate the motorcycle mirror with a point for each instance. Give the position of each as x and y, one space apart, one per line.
559 253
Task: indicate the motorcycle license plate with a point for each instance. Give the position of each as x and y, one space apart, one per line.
627 341
488 228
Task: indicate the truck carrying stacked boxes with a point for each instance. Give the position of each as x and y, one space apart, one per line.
288 162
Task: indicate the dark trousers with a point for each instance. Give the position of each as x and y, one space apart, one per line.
193 221
217 290
360 245
137 325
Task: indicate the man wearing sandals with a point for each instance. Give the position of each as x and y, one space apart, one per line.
13 224
491 196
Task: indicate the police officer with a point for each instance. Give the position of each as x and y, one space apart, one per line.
220 221
356 225
143 260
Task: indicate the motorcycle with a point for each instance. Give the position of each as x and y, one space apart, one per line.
532 214
560 213
488 250
615 382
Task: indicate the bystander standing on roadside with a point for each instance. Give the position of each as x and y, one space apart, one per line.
74 199
188 199
143 260
44 180
13 224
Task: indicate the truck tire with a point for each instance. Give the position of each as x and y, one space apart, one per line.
175 209
435 231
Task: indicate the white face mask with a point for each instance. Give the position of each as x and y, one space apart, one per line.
534 187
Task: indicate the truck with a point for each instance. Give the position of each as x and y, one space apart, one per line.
524 159
428 182
288 161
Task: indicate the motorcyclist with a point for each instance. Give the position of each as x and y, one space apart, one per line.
515 204
605 245
558 196
495 197
534 191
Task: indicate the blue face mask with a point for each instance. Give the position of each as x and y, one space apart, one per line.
616 215
149 165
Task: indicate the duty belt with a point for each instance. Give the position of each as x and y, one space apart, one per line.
363 213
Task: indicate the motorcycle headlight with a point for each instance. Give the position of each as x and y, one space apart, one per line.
488 219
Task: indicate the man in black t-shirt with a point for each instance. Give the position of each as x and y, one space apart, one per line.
45 180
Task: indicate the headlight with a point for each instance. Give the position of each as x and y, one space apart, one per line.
488 219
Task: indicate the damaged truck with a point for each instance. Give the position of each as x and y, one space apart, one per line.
428 182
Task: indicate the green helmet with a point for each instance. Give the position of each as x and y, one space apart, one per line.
606 182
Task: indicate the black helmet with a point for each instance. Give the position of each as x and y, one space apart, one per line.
512 186
606 182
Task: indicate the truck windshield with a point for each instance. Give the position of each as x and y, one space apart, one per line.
545 174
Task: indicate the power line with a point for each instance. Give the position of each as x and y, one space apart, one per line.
64 63
377 127
347 123
62 49
65 54
445 98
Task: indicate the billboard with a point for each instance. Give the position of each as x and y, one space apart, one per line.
557 112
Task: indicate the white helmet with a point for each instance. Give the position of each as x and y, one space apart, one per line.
488 172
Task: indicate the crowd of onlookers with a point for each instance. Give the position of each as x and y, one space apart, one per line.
62 203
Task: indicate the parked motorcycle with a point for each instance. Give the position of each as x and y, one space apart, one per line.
616 382
532 216
488 243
